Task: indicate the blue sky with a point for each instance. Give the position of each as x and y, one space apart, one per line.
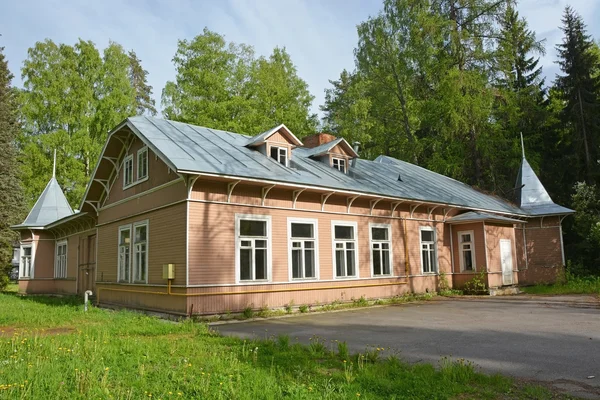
320 35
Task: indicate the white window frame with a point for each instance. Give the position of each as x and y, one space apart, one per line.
238 239
119 267
315 239
60 264
139 153
279 149
435 249
31 261
134 252
461 250
126 160
372 242
341 162
354 225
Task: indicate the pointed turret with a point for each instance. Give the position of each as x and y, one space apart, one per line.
51 206
531 195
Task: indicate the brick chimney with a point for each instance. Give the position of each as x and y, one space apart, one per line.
317 139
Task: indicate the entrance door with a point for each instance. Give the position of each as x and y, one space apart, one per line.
507 261
87 266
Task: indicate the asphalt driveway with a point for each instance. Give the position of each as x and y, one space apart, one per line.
555 339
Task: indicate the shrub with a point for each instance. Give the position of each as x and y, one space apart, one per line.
248 312
303 308
289 307
362 302
477 284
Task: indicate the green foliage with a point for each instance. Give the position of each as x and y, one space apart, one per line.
224 86
477 284
11 194
303 308
586 201
248 312
72 97
360 302
343 353
572 284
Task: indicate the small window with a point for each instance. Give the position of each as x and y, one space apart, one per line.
339 164
381 250
142 163
302 242
26 262
140 252
344 248
60 263
124 254
252 243
128 171
279 154
428 251
467 251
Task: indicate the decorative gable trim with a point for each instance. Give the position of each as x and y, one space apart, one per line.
263 137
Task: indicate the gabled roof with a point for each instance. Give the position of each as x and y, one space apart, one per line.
477 216
531 195
260 139
326 148
51 206
190 149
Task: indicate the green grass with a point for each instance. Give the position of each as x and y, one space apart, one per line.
571 285
51 349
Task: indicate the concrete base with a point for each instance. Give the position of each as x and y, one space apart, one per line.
504 291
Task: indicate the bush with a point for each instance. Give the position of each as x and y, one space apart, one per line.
476 285
248 312
4 277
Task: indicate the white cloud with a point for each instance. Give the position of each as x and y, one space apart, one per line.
320 36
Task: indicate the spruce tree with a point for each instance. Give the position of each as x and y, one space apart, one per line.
579 88
10 193
139 81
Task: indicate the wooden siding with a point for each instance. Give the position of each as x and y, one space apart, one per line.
158 174
494 233
479 246
166 244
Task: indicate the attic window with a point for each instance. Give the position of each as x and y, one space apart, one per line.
339 164
279 154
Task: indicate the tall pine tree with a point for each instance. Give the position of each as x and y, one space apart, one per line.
138 77
579 88
11 202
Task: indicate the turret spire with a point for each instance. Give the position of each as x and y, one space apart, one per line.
54 165
522 146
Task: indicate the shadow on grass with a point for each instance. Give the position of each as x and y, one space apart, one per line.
49 300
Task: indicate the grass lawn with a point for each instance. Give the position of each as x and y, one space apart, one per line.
572 285
51 349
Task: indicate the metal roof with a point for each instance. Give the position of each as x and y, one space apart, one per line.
532 196
51 206
326 147
476 216
194 149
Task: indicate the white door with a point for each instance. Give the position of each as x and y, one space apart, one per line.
507 262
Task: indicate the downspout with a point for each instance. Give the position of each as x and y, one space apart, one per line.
452 249
562 247
406 254
525 246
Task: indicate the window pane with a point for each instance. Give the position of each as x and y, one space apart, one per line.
427 236
302 230
260 244
297 244
253 228
349 245
275 153
466 238
340 265
245 264
309 244
350 262
376 262
125 237
468 261
140 233
386 262
27 251
385 246
379 233
246 243
309 263
261 264
344 232
426 265
296 263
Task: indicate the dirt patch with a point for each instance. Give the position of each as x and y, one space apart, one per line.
8 331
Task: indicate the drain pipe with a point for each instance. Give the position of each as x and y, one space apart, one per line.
86 299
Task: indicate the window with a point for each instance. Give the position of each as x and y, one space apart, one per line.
428 250
128 171
252 242
140 252
344 248
339 164
467 251
380 249
60 263
142 163
279 154
26 262
302 235
124 254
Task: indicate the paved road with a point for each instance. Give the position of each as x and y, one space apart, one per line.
554 339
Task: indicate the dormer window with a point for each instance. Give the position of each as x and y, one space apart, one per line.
339 164
279 154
